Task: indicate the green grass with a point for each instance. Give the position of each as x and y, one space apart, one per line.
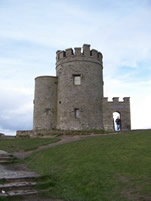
15 198
102 168
24 144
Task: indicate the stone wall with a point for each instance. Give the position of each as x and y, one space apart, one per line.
116 106
59 103
86 98
45 101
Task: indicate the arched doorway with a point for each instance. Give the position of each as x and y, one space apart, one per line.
117 121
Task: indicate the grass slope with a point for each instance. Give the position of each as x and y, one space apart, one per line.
104 168
19 144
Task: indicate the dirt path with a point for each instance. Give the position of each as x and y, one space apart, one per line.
17 171
63 140
22 155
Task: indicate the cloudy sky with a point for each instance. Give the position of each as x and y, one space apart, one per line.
31 31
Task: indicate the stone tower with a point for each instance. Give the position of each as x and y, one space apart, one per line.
80 89
45 102
73 100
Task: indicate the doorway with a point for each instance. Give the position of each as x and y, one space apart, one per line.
117 121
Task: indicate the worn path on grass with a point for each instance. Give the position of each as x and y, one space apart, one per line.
63 140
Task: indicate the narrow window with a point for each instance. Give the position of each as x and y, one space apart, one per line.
76 113
77 79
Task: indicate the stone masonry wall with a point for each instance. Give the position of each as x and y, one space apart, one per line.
86 97
59 103
116 106
45 102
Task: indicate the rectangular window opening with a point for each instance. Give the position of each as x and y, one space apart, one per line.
77 79
76 113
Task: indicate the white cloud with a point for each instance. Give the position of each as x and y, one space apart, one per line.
32 30
16 109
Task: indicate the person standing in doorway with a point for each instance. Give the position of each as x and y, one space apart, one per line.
118 123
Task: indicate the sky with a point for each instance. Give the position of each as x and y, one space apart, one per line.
32 31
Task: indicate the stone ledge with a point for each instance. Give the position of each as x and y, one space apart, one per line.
52 133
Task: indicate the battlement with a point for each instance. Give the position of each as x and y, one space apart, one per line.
116 100
79 52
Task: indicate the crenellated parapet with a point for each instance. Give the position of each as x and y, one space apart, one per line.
79 53
116 100
80 84
122 107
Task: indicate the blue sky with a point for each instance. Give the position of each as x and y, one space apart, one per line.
32 31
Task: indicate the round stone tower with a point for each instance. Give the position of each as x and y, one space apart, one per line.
45 102
80 89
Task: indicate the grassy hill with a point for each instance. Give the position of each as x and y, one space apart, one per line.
24 144
103 168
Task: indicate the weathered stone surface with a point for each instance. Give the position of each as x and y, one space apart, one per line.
13 180
45 102
3 152
18 192
12 174
73 100
86 97
123 108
